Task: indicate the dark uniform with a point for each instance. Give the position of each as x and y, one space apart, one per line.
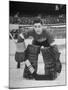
49 57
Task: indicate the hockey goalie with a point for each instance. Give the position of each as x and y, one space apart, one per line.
29 54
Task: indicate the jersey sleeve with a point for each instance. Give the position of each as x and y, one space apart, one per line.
50 37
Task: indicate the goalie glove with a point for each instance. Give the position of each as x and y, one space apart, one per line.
20 49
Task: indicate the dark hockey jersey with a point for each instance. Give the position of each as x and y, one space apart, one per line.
45 35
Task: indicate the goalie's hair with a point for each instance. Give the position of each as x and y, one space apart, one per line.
37 20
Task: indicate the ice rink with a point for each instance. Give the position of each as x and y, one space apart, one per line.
16 75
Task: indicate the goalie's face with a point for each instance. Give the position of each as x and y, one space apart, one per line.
38 28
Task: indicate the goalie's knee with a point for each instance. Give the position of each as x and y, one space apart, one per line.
32 53
33 49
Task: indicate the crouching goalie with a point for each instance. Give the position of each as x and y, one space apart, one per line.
41 37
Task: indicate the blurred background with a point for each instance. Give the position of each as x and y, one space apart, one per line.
24 13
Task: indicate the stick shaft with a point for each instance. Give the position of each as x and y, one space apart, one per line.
12 37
